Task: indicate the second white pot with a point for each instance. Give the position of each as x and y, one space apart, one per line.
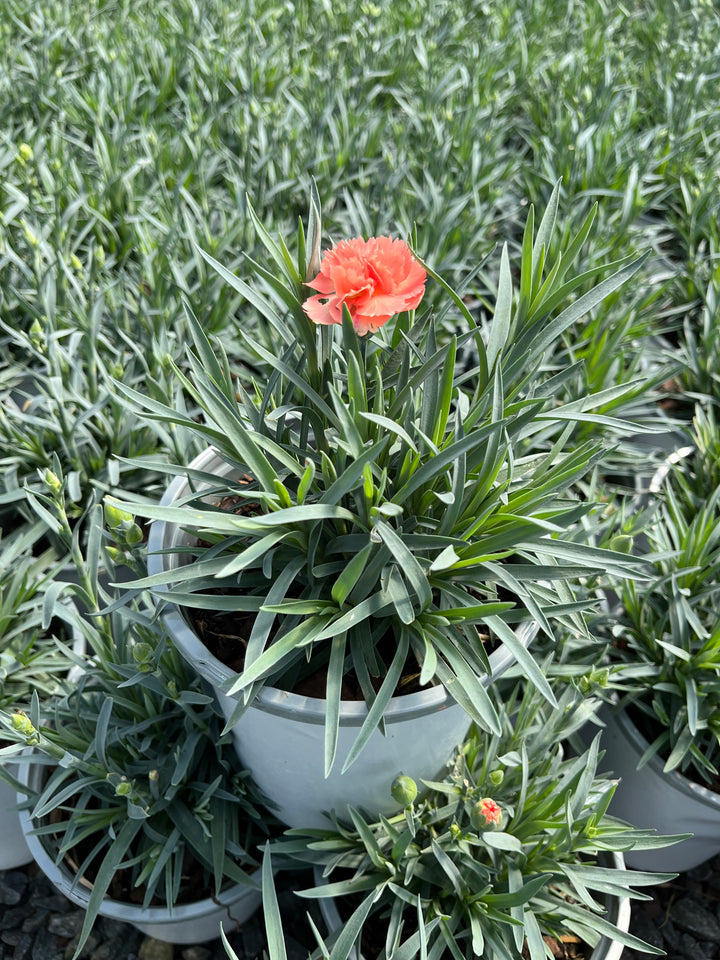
649 797
185 923
14 851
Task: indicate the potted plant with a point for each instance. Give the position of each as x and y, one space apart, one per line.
511 854
30 659
367 524
132 800
661 733
136 807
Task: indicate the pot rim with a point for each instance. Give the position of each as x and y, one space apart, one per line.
280 702
62 878
606 949
284 703
679 781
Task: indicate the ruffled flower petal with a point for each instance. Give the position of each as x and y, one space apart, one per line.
375 279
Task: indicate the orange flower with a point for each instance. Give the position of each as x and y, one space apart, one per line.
374 278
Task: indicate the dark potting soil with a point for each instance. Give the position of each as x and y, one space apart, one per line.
225 635
37 923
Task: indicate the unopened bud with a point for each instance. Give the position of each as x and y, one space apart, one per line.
497 777
622 543
597 677
52 481
25 152
486 814
37 335
123 789
142 652
133 534
403 790
153 775
22 724
116 518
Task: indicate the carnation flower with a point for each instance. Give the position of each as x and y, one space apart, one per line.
375 279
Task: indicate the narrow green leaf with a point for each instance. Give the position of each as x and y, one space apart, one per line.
547 226
384 695
333 693
500 327
350 574
525 660
407 563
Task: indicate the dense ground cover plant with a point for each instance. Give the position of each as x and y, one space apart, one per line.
30 660
501 852
665 633
111 179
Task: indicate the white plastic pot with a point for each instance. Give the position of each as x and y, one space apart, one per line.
618 913
185 923
14 851
280 737
649 797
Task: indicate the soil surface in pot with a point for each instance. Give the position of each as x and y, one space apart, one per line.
226 635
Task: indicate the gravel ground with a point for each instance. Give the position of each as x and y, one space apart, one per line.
37 923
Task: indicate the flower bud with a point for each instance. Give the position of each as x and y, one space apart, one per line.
602 676
116 518
597 677
124 788
25 152
142 652
52 481
21 723
621 542
37 335
486 814
497 777
133 534
403 790
153 775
